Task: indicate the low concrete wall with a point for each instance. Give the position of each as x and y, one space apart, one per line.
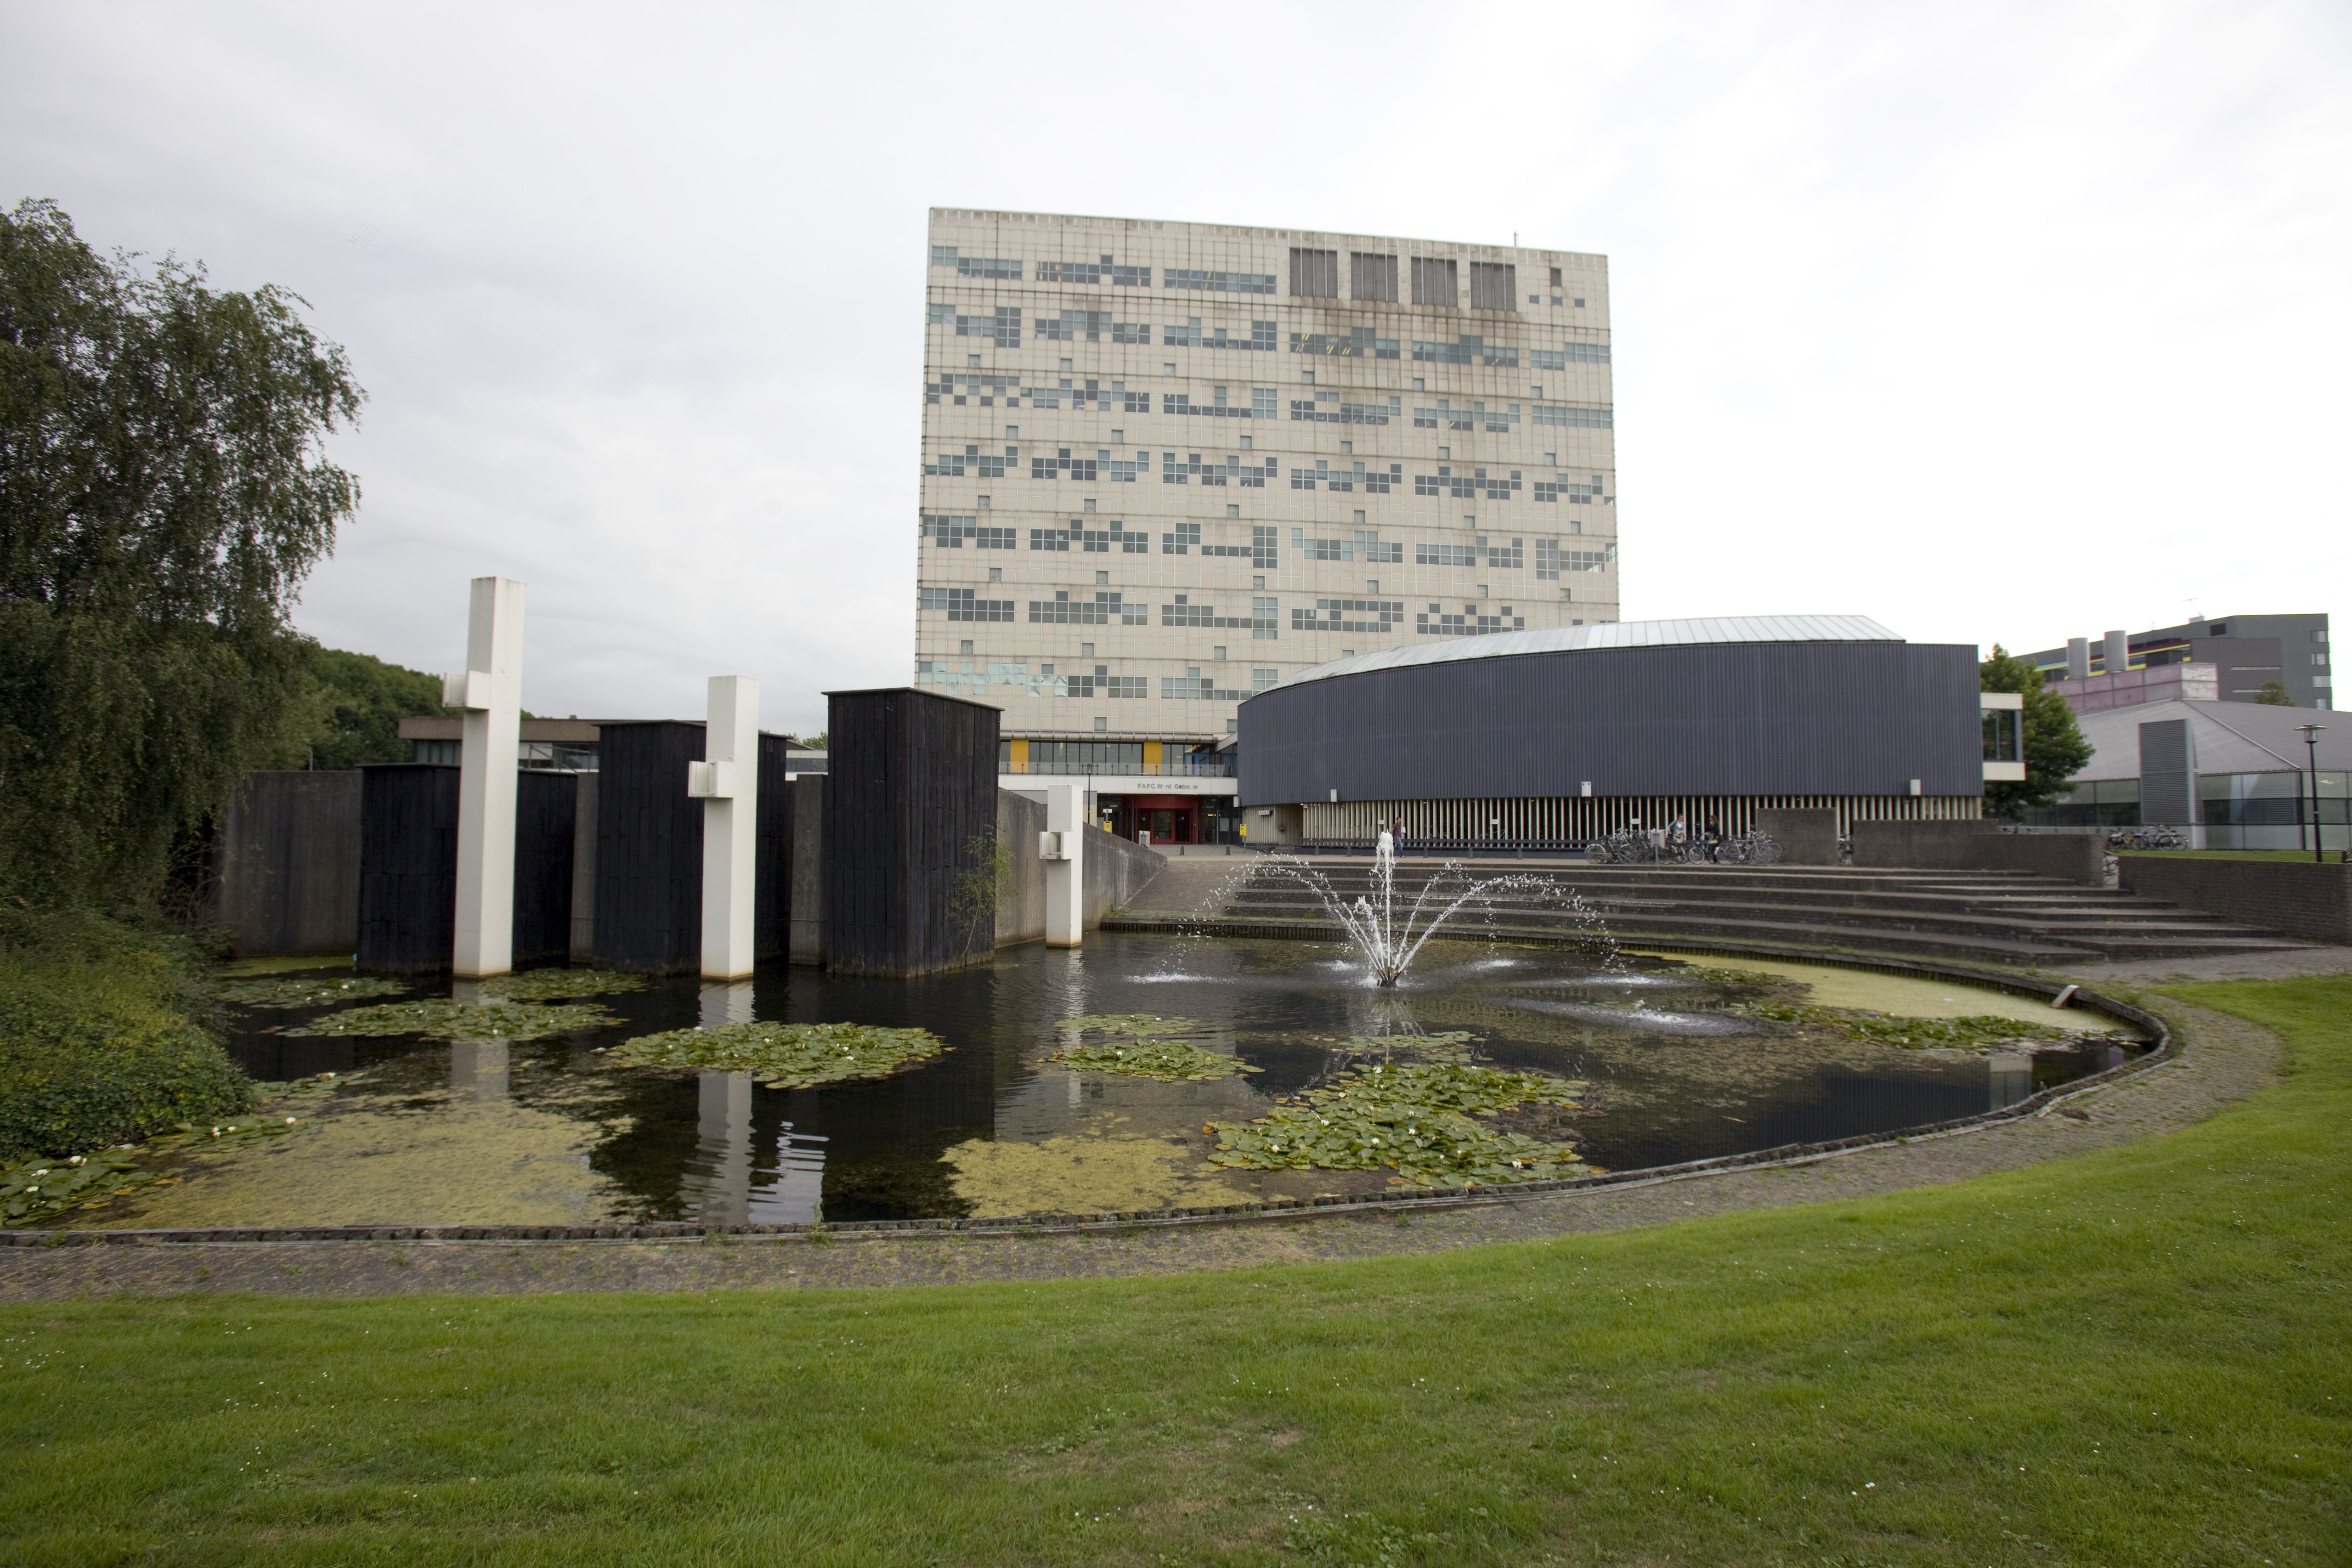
286 865
1979 846
1116 868
1808 837
1021 902
2312 901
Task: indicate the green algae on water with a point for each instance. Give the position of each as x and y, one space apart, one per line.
1169 1061
437 1017
305 990
785 1056
1416 1120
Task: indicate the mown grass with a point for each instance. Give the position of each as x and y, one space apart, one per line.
2135 1357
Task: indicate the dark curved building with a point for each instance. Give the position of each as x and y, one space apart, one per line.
1557 735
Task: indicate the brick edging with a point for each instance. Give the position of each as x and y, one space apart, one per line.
2166 1050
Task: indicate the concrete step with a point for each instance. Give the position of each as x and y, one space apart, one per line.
2160 935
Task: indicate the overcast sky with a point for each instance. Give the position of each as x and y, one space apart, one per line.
1993 322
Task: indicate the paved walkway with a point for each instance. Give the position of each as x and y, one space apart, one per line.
2226 1059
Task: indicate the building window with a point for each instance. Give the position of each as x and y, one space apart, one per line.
1494 286
1003 328
1436 283
1372 276
1217 282
961 605
996 266
1554 278
1315 274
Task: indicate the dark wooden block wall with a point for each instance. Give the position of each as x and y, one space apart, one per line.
648 848
408 867
912 809
545 805
771 897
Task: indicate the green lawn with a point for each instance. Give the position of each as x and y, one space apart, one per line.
2136 1357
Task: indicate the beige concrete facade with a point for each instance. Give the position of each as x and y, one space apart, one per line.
1166 465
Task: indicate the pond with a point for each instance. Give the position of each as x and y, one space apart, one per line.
1663 1062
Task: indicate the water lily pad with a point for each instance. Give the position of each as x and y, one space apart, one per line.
1169 1061
1414 1119
1132 1025
237 1133
1448 1046
554 984
33 1190
1966 1033
305 990
785 1056
439 1018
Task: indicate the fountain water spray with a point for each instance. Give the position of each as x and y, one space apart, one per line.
1389 938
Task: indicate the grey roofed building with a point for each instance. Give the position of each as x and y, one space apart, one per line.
1715 629
2249 761
1555 735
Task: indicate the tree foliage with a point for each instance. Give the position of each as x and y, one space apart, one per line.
2274 694
2055 749
357 704
163 492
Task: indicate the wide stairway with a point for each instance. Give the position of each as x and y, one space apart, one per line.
2001 916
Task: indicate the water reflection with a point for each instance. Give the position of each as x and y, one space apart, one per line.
1668 1085
478 1069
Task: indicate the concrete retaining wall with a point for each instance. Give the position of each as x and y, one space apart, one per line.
2312 901
1979 846
1809 838
1116 869
286 865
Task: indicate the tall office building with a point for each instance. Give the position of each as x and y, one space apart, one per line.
1169 464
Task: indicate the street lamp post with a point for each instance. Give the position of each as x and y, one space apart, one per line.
2311 733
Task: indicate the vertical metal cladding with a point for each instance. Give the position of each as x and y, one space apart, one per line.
1787 719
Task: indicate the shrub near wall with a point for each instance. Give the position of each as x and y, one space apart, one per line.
99 1038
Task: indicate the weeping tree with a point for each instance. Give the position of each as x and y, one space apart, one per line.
2055 748
163 492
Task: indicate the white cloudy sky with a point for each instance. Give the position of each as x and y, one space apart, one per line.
1993 321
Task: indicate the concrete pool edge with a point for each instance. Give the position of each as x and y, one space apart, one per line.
2165 1050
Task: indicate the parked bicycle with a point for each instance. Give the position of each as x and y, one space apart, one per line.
1626 847
2152 835
1752 849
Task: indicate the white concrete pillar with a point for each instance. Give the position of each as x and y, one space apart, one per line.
1065 867
728 780
489 689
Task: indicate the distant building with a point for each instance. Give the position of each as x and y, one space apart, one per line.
559 744
2245 653
2233 773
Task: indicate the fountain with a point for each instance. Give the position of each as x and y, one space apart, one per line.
1388 939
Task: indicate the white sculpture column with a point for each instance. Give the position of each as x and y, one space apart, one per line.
728 781
1065 867
490 693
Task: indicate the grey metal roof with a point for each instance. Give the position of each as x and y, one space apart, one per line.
1713 629
2232 737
